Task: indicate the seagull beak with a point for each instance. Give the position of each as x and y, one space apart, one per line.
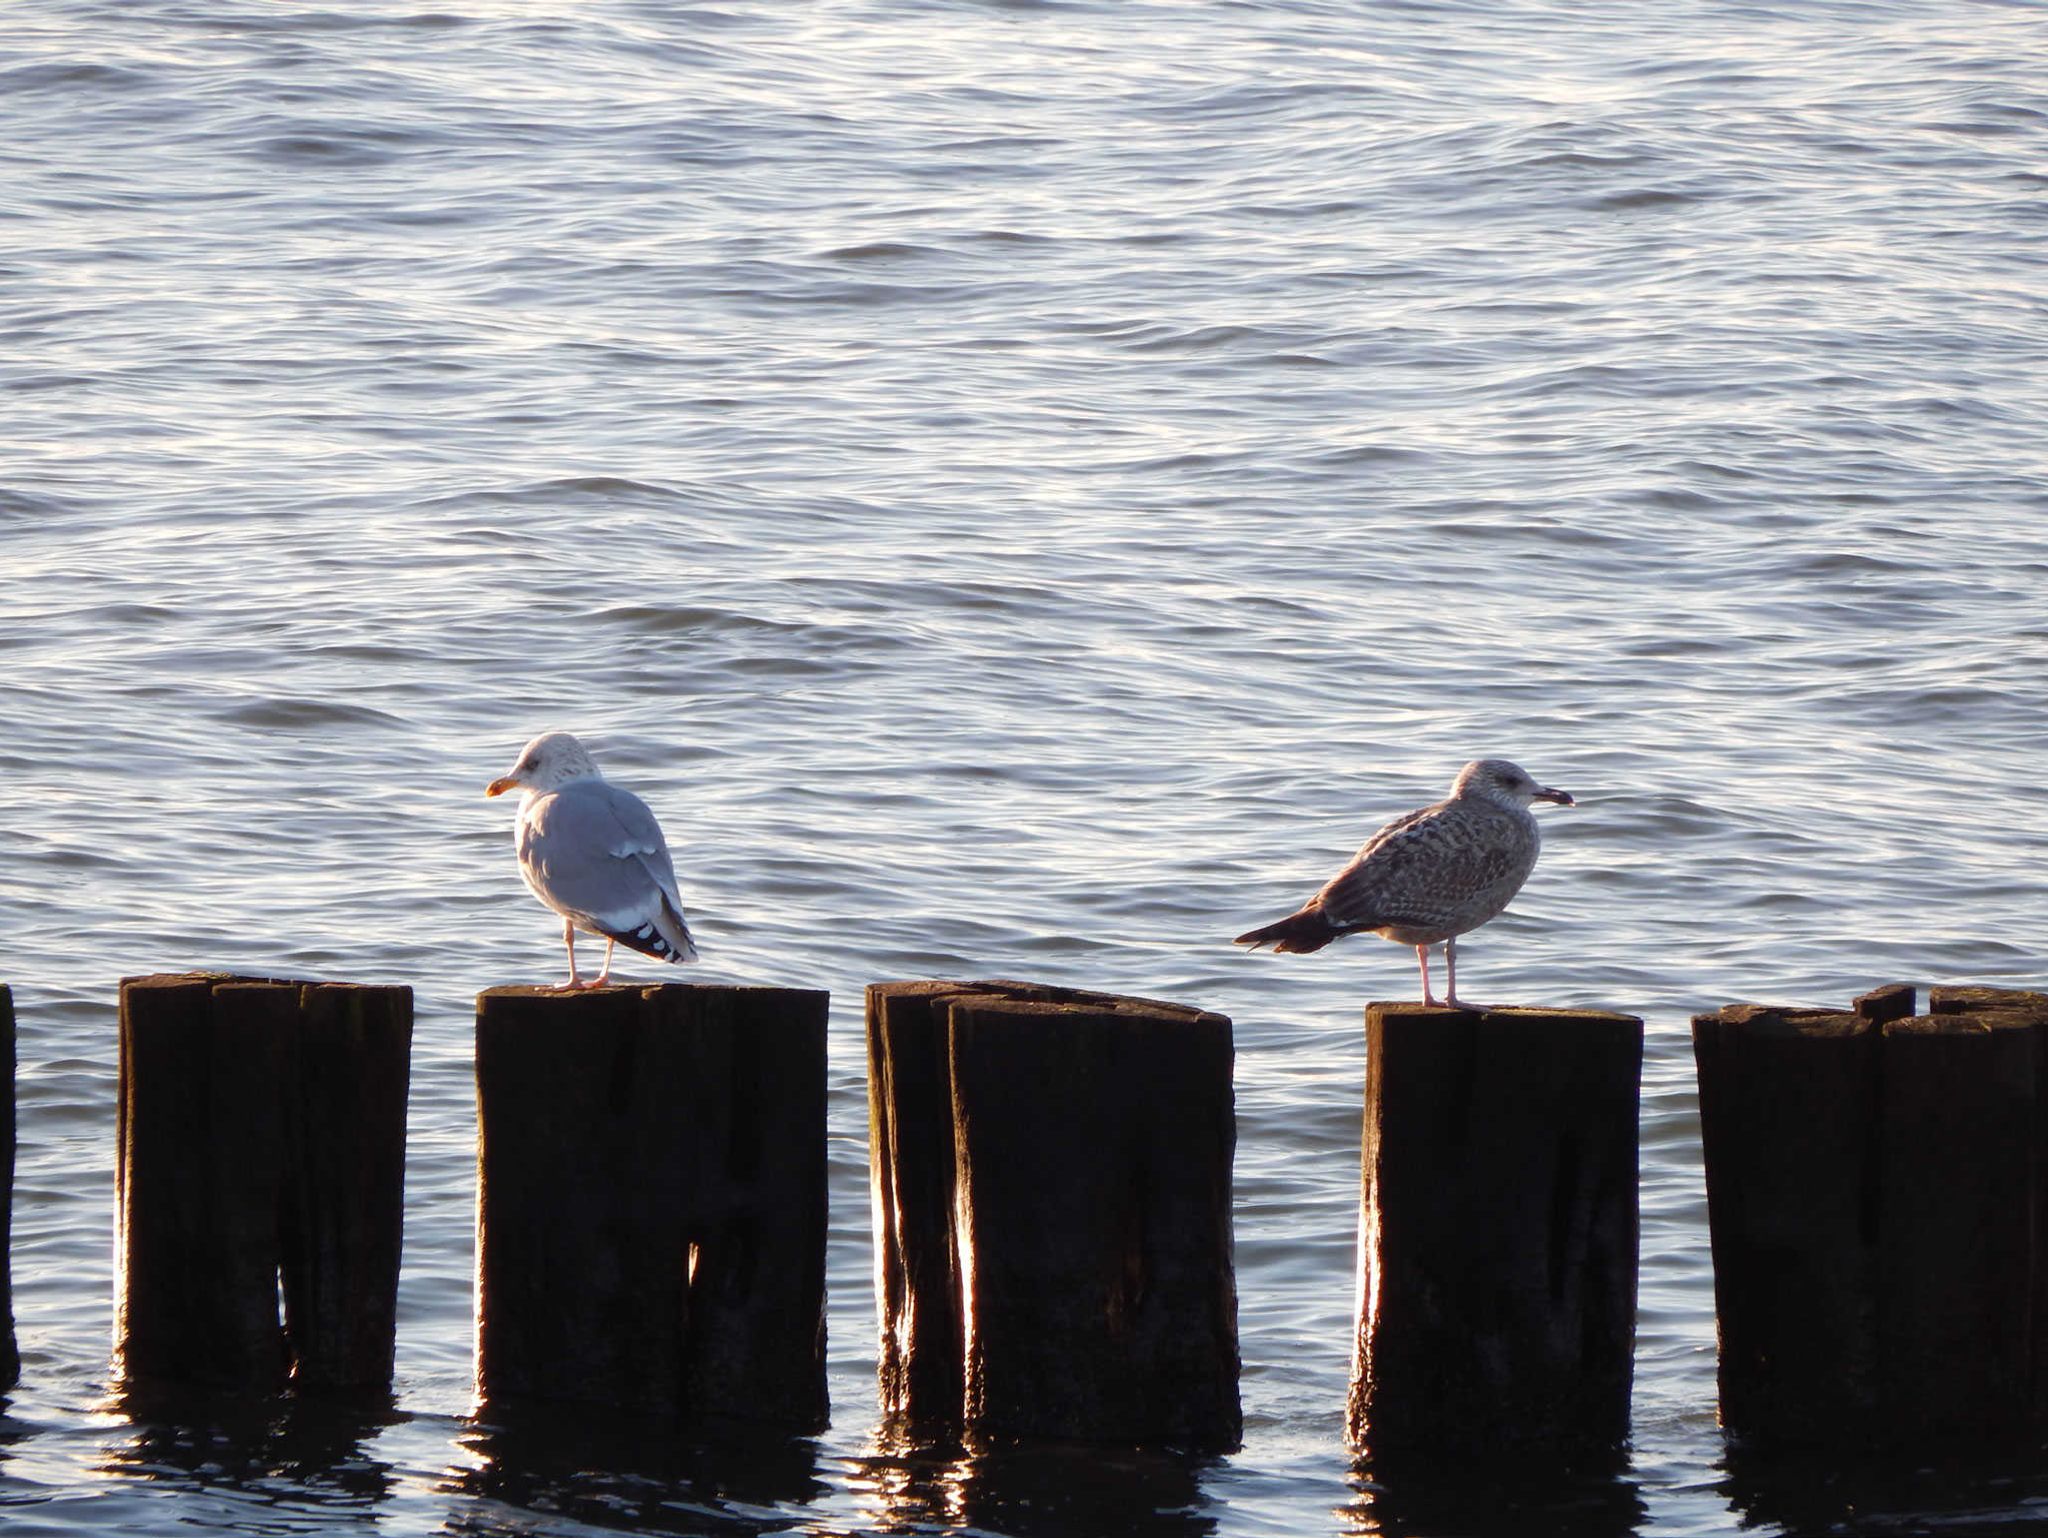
500 786
1561 797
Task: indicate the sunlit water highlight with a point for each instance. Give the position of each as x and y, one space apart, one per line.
1022 489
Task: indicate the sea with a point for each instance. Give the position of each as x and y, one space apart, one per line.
1022 488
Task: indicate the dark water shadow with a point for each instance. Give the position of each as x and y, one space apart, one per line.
11 1430
309 1450
635 1473
1525 1496
1982 1490
910 1482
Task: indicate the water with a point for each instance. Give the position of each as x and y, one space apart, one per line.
1023 489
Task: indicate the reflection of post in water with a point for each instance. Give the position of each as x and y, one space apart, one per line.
10 1354
1806 1490
305 1449
614 1469
1497 1498
1030 1489
1051 1177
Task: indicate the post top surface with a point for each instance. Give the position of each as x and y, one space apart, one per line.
1984 1022
1507 1014
540 991
1787 1020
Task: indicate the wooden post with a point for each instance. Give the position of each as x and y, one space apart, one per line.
755 1349
1052 1194
651 1199
201 1167
1876 1187
10 1351
1956 1202
1498 1232
214 1167
910 1167
344 1213
1788 1124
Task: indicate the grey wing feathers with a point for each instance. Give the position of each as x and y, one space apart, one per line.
594 851
642 839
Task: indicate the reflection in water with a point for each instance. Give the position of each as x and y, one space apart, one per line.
1952 1493
300 1449
1493 1498
11 1430
638 1474
1029 1490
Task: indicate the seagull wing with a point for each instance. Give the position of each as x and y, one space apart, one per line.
595 854
1424 868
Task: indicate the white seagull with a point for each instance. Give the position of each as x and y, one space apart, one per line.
594 854
1432 875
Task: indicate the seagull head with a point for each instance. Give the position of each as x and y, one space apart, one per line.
548 762
1497 780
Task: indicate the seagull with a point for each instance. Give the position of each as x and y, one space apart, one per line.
594 854
1430 876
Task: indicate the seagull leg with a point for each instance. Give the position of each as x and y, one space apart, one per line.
1451 973
1422 955
569 939
605 976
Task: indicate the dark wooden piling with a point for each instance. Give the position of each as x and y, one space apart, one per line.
910 1167
1875 1185
1498 1232
1052 1175
224 1181
651 1199
10 1352
1788 1122
344 1208
201 1169
756 1343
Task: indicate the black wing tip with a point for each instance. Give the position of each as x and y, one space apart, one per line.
649 941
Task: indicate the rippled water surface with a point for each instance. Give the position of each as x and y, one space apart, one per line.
1023 489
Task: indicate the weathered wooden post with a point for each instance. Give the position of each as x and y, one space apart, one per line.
250 1147
1876 1187
345 1204
10 1351
1052 1194
200 1121
911 1184
1497 1232
1787 1121
651 1199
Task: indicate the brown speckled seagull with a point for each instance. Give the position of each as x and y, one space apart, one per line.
1432 875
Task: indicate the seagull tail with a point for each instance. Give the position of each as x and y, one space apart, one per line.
664 936
1297 934
676 932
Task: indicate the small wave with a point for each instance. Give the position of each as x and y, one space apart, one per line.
1193 339
69 77
879 250
1647 197
663 619
301 714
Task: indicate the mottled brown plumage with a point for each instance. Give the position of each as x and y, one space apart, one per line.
1428 877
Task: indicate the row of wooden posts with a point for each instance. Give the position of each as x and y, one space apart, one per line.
1051 1174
